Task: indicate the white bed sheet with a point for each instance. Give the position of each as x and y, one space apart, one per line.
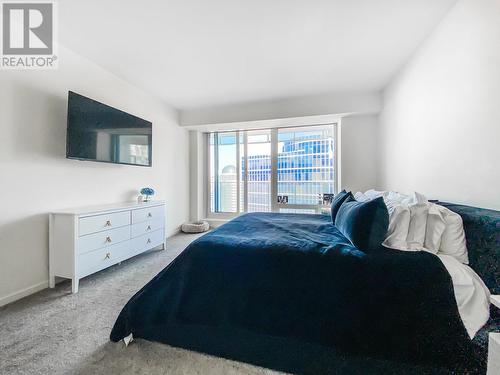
472 296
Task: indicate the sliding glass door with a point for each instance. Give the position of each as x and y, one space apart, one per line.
223 172
258 176
306 167
271 170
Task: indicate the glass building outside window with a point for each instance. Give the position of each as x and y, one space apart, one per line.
297 165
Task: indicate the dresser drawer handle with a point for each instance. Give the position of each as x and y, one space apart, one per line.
108 239
149 240
150 214
108 256
149 227
108 223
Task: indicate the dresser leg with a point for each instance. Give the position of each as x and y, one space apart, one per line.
52 281
164 245
74 286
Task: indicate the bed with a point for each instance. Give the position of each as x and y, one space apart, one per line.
291 293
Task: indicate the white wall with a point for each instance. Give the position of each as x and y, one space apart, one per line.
358 149
357 136
197 179
325 104
36 178
440 125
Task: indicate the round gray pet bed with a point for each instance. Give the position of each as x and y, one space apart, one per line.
196 227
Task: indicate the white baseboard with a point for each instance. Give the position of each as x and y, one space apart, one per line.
45 284
173 232
23 293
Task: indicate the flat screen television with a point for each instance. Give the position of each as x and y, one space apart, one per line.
98 132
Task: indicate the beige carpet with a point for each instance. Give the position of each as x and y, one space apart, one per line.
55 332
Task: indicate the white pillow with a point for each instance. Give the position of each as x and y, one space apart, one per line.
453 239
399 222
418 223
419 209
415 224
361 197
407 218
372 194
403 198
389 196
426 226
418 198
434 228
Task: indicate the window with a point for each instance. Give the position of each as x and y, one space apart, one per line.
272 170
258 178
306 166
223 172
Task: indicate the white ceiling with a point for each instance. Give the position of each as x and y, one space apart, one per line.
199 53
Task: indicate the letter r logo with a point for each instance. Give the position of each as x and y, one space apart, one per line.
27 28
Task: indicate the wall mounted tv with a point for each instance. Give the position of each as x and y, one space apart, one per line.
98 132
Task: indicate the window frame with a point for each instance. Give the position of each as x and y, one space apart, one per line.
275 206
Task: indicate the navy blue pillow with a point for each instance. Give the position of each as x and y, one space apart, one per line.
365 224
337 202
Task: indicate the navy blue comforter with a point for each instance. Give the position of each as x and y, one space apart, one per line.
264 282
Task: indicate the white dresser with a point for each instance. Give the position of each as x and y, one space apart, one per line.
88 239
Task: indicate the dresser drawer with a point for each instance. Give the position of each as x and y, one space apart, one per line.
148 213
146 227
99 259
102 239
99 223
147 241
